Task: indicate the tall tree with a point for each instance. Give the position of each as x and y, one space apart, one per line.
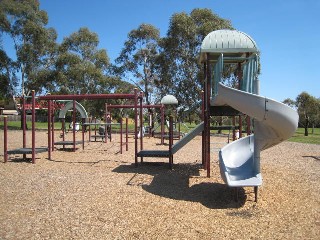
308 109
81 67
25 23
137 59
179 68
8 79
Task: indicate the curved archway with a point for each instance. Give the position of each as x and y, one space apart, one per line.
68 106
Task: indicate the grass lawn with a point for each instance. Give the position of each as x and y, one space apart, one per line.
313 138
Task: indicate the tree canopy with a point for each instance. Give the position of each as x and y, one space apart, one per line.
25 23
156 65
137 58
179 69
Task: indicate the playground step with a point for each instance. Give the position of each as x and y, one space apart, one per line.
153 153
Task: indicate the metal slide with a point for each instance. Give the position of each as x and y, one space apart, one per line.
274 122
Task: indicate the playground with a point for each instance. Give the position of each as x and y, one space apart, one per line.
97 193
198 185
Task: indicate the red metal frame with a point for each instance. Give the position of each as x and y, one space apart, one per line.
5 139
33 127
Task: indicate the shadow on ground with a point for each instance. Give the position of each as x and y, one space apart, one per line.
174 184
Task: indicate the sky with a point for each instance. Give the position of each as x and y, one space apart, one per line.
287 32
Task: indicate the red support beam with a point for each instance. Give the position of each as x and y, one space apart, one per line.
141 126
121 136
5 139
24 124
87 96
126 134
49 130
74 125
135 127
162 125
52 126
132 106
82 130
33 127
170 141
207 117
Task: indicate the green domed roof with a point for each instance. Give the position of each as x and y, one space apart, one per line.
227 41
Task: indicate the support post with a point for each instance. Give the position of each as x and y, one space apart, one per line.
162 124
74 125
170 141
95 129
33 127
127 134
82 130
52 126
135 127
208 96
5 139
121 136
49 129
203 135
256 193
240 126
248 125
141 124
24 141
63 130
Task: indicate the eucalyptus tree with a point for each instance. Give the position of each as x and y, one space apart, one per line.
178 64
308 109
81 67
136 62
25 24
8 78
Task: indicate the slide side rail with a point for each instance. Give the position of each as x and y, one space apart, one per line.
187 138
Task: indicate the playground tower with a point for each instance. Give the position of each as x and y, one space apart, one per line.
231 88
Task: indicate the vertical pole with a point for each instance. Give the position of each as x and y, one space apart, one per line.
33 127
126 134
74 125
63 130
152 124
110 127
135 127
5 139
24 141
162 124
52 126
205 119
240 126
234 128
170 141
248 125
90 121
106 126
121 136
141 124
49 129
82 129
208 96
203 135
95 129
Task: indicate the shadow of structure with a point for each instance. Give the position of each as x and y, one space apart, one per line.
175 184
314 157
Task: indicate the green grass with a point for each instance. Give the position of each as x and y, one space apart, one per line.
313 138
38 125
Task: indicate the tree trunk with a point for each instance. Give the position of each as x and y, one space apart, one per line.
306 133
